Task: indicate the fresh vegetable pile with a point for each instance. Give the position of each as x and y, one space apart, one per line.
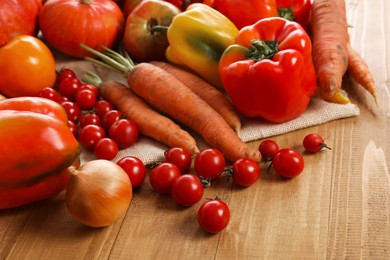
190 67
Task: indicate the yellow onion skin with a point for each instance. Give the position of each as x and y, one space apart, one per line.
99 193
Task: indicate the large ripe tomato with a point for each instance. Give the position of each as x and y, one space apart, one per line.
140 41
18 17
27 66
67 23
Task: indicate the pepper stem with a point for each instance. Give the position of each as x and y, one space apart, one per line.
261 50
286 13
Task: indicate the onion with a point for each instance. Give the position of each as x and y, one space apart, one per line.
99 193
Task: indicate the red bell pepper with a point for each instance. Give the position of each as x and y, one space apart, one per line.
295 10
269 72
243 13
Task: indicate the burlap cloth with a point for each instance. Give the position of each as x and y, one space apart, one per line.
148 150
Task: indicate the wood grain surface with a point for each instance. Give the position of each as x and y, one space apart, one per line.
338 208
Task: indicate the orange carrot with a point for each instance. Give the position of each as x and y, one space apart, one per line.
330 42
169 95
150 123
214 97
359 71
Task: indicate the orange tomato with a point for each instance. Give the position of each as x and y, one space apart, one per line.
27 66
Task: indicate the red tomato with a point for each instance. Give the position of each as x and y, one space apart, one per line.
27 66
179 157
245 172
162 177
314 143
106 149
288 163
85 99
267 149
65 73
140 40
187 190
73 111
209 163
89 135
68 87
110 117
124 132
67 23
213 216
18 17
134 168
102 106
89 119
49 93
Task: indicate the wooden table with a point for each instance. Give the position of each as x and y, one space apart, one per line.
338 208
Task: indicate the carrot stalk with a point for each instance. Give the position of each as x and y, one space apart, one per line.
167 94
330 47
359 71
215 98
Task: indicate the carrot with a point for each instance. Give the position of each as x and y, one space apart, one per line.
359 71
215 98
330 47
150 123
169 95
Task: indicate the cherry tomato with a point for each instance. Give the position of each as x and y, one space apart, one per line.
27 66
65 73
73 128
89 135
245 172
268 148
162 177
314 143
93 88
85 99
187 190
288 163
209 163
110 117
68 87
102 106
124 132
73 110
106 149
134 168
213 215
179 157
89 119
49 93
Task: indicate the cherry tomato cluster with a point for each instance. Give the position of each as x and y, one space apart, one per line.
288 162
99 127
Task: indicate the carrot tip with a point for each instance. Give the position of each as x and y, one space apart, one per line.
339 97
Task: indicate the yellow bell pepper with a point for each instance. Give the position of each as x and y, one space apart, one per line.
197 38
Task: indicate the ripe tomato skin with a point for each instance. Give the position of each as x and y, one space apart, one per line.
27 66
187 190
213 216
89 135
314 143
209 163
124 132
268 148
134 168
94 23
245 172
288 163
179 157
89 119
162 177
102 106
73 110
106 149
